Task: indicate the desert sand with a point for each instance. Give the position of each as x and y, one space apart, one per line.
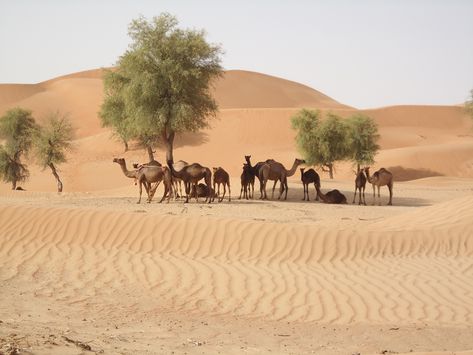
90 270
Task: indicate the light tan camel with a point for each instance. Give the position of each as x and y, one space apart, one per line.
221 177
309 177
247 182
360 184
333 196
275 171
191 174
382 177
132 174
149 174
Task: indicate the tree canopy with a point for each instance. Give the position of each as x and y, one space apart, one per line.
161 84
52 142
17 129
362 139
325 141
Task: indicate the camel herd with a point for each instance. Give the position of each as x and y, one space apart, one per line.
175 174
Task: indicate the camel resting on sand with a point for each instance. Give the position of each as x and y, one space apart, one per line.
380 178
333 196
191 175
202 191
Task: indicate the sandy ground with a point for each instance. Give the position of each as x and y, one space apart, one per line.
89 270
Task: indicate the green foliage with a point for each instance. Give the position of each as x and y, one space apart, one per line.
161 85
54 140
17 129
362 139
307 124
11 169
324 142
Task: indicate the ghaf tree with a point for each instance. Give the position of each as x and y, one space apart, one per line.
161 84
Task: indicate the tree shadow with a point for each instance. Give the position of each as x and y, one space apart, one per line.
190 139
406 174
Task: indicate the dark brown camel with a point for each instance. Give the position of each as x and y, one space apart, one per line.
275 171
333 196
221 177
360 184
255 171
309 177
202 191
380 178
190 175
247 181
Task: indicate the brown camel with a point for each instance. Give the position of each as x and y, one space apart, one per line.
132 174
360 184
247 181
333 196
191 174
309 177
146 175
221 177
202 191
380 178
176 181
275 171
255 170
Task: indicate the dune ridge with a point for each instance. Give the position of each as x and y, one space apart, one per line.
222 266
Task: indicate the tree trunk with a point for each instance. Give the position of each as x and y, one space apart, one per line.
168 140
125 143
59 182
150 153
357 168
13 183
330 170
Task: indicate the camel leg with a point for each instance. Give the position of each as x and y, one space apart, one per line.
281 189
241 191
274 187
374 194
196 194
187 187
354 197
379 195
364 198
224 192
316 194
141 190
390 187
286 187
252 190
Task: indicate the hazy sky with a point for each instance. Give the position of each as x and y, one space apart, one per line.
362 53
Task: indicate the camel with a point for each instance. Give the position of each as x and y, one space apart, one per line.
202 191
380 178
333 196
275 171
176 181
254 170
309 177
146 175
360 183
247 181
191 174
221 177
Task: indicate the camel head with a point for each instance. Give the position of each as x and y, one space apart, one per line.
119 160
215 170
300 161
135 165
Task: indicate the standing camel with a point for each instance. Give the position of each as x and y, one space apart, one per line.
275 171
149 174
380 178
191 174
255 171
309 177
360 184
221 177
176 182
132 174
247 181
333 196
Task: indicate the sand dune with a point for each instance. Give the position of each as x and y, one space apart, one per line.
245 276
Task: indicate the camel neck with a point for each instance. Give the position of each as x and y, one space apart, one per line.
130 174
293 169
